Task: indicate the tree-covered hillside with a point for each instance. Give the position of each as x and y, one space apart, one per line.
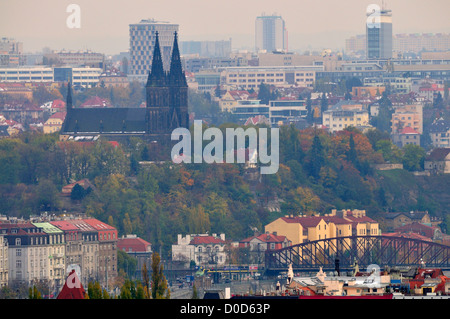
317 172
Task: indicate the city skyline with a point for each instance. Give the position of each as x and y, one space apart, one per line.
105 24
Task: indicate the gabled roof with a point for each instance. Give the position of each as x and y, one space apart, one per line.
105 120
267 238
439 126
438 154
411 215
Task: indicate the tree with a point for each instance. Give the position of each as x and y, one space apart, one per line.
351 155
159 282
33 293
194 292
309 110
317 158
323 103
413 157
78 192
264 94
146 279
383 121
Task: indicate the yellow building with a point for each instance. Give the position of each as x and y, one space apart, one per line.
341 223
368 91
54 123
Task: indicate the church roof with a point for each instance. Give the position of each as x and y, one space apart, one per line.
105 120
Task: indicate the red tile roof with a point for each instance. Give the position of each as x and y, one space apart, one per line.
310 221
199 240
133 244
409 130
59 115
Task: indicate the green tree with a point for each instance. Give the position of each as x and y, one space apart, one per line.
323 103
159 282
317 157
264 94
413 157
34 293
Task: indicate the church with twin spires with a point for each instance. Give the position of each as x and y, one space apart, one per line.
166 108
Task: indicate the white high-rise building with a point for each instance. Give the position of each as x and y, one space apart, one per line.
142 40
270 33
379 33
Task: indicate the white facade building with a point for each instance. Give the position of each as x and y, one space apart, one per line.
203 249
142 41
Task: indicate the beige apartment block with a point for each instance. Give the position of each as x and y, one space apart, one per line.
407 116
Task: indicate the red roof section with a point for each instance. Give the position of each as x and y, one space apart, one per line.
64 225
409 130
58 115
98 225
199 240
310 221
418 228
135 244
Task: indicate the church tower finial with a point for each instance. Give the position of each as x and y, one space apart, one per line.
176 75
156 77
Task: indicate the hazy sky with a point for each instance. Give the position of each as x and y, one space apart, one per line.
314 24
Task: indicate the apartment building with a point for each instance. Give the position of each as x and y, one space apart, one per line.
55 252
343 223
345 114
34 254
440 133
107 250
89 251
407 116
246 78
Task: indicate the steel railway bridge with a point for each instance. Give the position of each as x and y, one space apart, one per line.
344 252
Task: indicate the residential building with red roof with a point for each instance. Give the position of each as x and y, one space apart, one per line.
405 136
431 232
344 223
259 244
203 249
138 248
54 122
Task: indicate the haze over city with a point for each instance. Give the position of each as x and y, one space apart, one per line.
310 24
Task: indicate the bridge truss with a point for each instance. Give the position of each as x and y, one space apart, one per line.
364 250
